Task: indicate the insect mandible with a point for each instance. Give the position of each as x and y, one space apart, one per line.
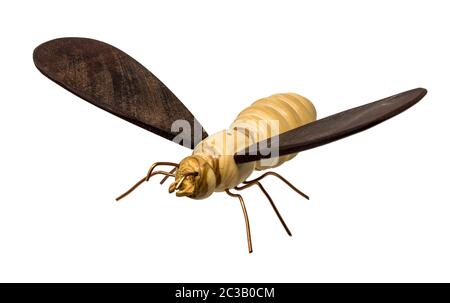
266 134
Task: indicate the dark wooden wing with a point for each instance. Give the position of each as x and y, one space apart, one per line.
110 79
331 128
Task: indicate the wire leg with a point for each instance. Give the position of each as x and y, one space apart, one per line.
247 223
261 187
271 173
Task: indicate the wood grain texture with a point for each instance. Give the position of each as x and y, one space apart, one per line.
110 79
333 127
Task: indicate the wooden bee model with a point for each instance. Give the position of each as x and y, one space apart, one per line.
265 135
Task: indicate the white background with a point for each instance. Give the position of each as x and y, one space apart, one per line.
379 208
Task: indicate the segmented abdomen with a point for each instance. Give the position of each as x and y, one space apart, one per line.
252 125
274 115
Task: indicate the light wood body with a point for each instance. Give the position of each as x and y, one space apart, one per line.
213 158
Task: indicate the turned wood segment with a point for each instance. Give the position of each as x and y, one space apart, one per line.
334 127
110 79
